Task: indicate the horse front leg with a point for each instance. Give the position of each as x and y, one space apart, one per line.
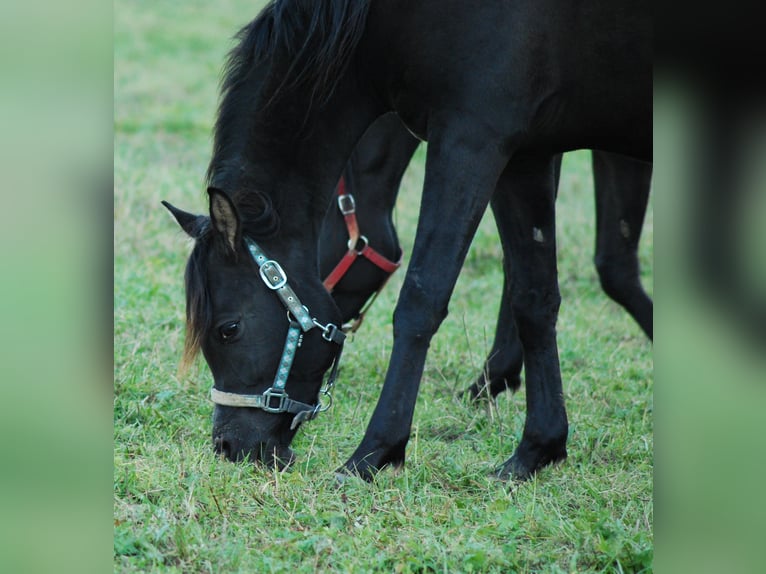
529 244
461 170
622 193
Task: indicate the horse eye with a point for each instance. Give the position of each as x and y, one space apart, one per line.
228 331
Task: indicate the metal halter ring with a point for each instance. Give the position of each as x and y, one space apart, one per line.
328 333
292 319
352 245
324 407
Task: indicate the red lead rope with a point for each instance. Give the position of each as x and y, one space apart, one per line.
357 245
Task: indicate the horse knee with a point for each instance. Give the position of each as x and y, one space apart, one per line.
419 324
416 314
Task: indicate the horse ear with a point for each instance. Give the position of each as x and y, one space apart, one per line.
193 225
224 217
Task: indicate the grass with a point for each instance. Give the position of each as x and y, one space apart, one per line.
177 508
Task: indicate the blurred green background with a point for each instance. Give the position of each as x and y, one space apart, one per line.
56 408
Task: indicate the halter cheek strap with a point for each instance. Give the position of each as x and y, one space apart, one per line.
275 399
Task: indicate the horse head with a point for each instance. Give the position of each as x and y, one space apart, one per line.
268 345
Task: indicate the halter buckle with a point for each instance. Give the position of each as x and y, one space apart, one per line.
346 204
273 275
272 393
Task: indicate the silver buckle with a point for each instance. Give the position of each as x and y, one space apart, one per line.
270 393
346 204
274 277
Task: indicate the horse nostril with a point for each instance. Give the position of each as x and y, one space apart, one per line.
222 446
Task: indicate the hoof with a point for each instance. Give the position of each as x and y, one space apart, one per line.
513 470
366 462
352 471
518 469
475 394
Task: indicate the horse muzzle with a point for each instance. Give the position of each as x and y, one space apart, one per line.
267 453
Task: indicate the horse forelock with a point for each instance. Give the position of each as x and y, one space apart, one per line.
198 308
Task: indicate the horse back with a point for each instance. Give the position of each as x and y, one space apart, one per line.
552 75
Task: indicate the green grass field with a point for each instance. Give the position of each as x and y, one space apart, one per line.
178 508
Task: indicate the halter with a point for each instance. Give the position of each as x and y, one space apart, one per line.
275 399
358 245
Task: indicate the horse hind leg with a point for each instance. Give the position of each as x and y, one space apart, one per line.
502 368
529 241
622 192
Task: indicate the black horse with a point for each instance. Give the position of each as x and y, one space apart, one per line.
496 87
372 177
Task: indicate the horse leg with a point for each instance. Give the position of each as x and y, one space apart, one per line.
462 167
622 192
530 247
502 368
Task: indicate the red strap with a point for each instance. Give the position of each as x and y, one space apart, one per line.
354 324
340 270
383 262
348 209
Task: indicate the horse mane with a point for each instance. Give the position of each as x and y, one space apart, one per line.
311 41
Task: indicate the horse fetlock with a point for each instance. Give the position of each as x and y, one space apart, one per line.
547 436
498 385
